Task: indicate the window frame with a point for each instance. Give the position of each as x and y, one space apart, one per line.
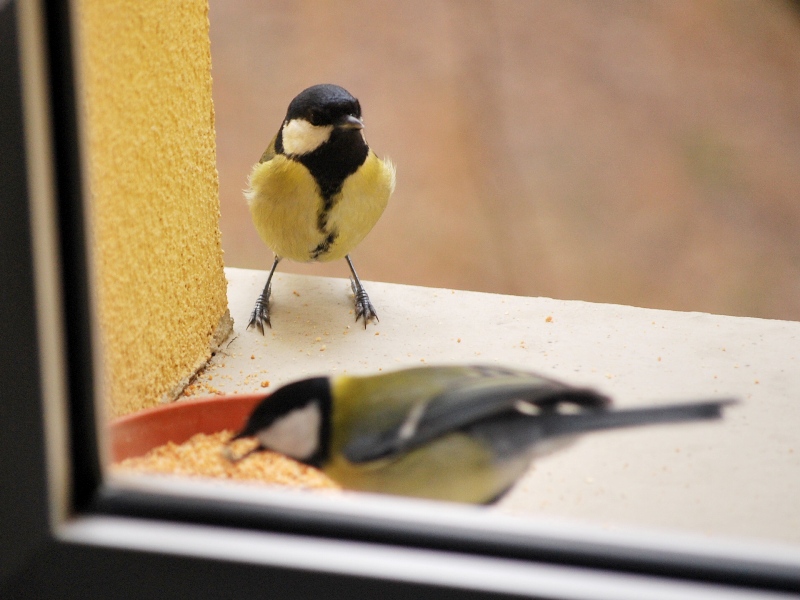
74 533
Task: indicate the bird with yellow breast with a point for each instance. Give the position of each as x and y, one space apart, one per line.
318 189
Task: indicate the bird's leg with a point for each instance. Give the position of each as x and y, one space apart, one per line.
260 314
364 308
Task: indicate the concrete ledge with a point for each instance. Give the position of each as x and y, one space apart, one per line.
738 477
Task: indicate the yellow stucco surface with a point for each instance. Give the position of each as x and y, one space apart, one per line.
146 69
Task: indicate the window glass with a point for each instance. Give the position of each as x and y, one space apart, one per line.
575 160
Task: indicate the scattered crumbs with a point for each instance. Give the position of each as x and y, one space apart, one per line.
265 383
345 332
477 354
421 360
322 348
609 376
252 357
757 382
723 350
317 339
659 359
549 319
295 293
377 333
458 340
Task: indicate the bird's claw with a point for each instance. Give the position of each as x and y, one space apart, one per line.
364 308
260 315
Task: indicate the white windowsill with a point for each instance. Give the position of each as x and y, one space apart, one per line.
738 477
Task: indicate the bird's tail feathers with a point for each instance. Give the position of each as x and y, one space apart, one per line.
569 424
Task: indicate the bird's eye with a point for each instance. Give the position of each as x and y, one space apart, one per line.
314 117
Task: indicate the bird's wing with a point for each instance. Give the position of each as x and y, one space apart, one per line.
470 401
269 153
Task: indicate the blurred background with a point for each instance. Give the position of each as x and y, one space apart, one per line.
634 152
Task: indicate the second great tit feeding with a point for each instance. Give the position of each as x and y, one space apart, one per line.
459 433
318 189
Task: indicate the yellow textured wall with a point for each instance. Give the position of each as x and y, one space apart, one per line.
153 179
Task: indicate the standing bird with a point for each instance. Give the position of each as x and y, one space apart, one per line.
318 189
460 433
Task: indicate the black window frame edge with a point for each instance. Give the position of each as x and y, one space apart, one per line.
44 555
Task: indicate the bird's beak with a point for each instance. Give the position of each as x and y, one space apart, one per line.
350 122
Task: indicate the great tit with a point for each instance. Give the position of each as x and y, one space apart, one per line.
318 189
458 433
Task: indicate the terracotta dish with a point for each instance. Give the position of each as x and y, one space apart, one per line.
138 433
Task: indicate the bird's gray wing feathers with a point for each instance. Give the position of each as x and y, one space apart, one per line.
472 401
522 409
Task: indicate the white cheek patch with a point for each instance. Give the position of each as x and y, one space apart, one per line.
301 137
296 434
